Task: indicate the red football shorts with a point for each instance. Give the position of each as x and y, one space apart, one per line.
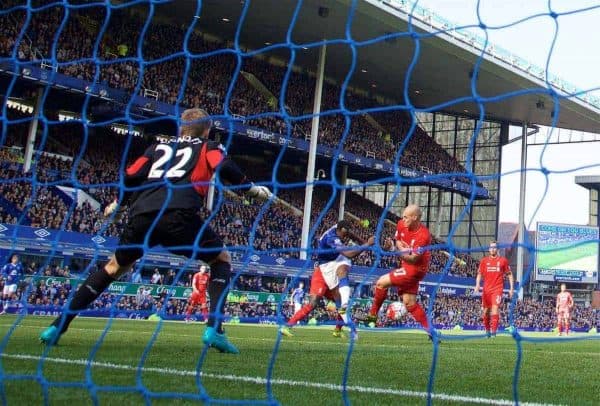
198 298
406 281
563 314
493 298
318 286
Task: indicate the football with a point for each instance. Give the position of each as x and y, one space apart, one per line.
395 310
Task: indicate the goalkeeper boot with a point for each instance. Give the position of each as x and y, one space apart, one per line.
50 336
286 331
218 341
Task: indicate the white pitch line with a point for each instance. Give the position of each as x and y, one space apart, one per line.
262 381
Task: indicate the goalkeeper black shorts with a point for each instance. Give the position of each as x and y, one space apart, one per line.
177 231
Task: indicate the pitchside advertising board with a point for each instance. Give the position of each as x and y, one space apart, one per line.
566 253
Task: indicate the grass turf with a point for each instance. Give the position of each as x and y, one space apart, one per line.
386 368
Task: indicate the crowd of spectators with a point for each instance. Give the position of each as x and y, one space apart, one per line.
209 78
277 232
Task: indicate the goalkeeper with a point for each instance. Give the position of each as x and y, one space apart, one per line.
170 182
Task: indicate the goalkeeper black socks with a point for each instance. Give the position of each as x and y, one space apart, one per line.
218 286
93 287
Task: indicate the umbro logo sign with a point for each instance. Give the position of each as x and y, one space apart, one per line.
42 233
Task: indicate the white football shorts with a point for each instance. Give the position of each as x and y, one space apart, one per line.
328 270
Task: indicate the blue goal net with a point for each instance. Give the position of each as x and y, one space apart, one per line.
347 111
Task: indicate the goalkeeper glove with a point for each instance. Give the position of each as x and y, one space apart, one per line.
259 192
111 208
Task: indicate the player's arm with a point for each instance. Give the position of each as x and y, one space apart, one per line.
571 302
354 252
412 255
478 279
557 302
138 171
194 280
511 284
230 172
134 175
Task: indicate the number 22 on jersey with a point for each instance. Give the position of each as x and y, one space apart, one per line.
182 156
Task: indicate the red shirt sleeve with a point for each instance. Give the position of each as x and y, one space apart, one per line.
214 158
398 230
506 266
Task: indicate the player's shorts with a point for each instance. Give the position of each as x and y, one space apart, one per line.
321 285
493 298
297 307
406 281
564 314
176 228
198 298
9 289
329 270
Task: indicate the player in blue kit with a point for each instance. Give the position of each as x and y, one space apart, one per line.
334 257
12 274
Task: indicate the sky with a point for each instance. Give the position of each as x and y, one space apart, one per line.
575 59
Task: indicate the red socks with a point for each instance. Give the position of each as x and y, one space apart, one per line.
299 315
419 315
379 297
494 323
486 322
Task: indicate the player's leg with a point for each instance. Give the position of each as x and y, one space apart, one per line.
181 228
340 321
496 299
344 290
567 323
415 309
218 287
5 297
486 304
381 290
190 307
204 309
97 282
485 316
559 323
317 290
5 293
12 295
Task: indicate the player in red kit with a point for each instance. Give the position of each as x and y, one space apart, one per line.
492 270
564 306
412 238
198 296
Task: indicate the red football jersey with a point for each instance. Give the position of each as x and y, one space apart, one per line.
492 272
564 300
200 281
417 239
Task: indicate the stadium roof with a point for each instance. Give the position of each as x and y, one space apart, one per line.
441 73
591 182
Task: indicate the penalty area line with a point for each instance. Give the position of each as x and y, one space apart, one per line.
284 382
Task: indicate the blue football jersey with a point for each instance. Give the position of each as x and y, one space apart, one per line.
12 272
330 241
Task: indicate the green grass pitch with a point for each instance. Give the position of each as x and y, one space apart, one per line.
555 256
387 368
